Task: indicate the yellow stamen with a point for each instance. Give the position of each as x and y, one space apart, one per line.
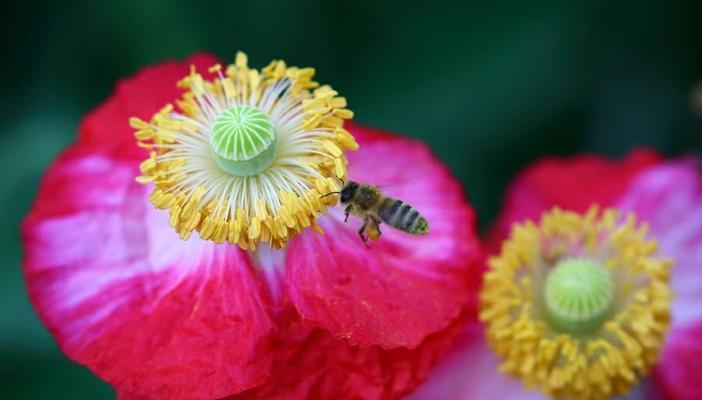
609 355
270 203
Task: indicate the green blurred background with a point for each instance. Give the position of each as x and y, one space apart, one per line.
488 86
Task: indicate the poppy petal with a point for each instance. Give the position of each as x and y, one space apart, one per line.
669 198
680 367
403 287
571 183
123 295
470 371
328 368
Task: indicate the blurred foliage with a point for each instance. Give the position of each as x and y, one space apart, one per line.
489 86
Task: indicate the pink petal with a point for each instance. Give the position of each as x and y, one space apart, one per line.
470 372
123 295
669 198
680 369
403 288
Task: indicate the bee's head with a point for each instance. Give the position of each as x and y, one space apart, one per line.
348 191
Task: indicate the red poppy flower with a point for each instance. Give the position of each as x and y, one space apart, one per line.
160 317
639 320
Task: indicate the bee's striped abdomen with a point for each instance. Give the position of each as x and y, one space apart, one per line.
402 216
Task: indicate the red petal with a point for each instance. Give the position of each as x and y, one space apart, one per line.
573 183
145 311
403 288
312 364
141 95
131 396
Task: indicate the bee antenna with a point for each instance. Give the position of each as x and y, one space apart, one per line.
328 194
343 182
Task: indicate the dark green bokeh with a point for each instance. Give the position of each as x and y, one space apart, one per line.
487 86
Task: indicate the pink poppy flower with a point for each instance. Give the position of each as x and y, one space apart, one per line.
638 333
160 317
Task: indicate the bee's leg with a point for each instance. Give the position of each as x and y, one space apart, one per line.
373 229
362 230
347 211
376 226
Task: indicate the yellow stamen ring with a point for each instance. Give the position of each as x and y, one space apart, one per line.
595 349
246 157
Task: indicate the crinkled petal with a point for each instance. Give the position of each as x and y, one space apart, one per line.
147 312
312 364
571 183
470 371
669 198
402 288
123 295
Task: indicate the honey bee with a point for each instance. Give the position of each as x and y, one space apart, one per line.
368 202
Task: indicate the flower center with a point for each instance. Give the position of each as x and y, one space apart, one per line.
246 156
577 305
243 140
578 295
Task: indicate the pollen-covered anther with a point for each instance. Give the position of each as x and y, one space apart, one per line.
577 305
245 157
